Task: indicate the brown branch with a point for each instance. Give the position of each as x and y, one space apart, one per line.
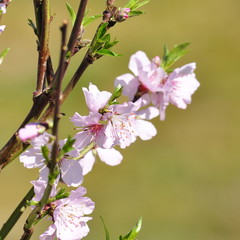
43 48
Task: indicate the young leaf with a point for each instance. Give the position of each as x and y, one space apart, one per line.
135 13
133 233
107 52
88 20
101 31
169 58
71 12
3 54
32 25
105 229
67 147
135 4
45 153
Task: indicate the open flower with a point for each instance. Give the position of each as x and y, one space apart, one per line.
70 169
148 76
69 220
177 89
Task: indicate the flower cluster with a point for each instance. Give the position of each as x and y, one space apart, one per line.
152 83
109 124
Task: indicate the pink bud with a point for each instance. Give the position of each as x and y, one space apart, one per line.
31 131
122 14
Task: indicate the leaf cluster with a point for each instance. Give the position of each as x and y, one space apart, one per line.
170 57
102 42
134 5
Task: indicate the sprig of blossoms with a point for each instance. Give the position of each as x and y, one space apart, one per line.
67 214
152 83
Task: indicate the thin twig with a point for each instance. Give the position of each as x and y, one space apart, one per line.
53 168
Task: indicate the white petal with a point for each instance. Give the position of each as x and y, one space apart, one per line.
87 163
139 62
130 85
49 234
145 130
111 156
71 172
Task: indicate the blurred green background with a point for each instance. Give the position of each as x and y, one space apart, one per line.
185 182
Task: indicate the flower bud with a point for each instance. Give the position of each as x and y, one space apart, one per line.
121 14
32 130
106 16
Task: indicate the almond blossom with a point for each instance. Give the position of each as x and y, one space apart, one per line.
70 169
155 86
69 220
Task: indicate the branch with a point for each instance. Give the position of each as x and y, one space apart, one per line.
43 47
53 167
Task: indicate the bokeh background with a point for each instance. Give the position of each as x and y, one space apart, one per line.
185 182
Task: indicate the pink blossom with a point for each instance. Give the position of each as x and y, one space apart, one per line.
121 123
94 98
70 169
90 130
69 220
31 131
148 76
177 89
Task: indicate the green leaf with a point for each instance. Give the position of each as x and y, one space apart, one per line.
105 229
116 94
88 20
110 44
3 54
135 13
45 153
67 147
102 30
133 233
135 4
32 25
169 58
107 52
71 12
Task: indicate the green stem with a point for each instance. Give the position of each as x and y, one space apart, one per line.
6 228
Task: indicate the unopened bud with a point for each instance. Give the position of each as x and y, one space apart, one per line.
106 16
32 130
122 14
